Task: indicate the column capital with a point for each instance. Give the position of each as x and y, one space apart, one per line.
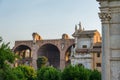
105 17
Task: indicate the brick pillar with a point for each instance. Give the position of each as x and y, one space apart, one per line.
62 60
34 55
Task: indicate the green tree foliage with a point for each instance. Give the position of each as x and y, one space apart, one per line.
19 73
48 73
7 74
6 58
6 55
41 61
95 75
80 73
75 73
28 72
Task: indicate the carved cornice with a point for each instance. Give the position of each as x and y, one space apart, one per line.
115 9
94 50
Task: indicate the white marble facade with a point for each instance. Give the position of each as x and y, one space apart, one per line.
85 60
84 41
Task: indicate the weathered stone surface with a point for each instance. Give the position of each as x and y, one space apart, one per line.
111 39
115 70
62 45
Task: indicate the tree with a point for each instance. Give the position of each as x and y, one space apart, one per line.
6 58
6 55
95 75
75 73
41 61
19 73
48 73
7 74
28 72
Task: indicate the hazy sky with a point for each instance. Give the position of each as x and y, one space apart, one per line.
50 18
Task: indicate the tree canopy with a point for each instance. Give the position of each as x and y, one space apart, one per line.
6 54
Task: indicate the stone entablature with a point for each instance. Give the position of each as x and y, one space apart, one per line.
82 56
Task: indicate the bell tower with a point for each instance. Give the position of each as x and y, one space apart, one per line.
110 20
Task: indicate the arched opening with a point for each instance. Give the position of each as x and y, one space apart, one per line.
52 53
68 55
25 56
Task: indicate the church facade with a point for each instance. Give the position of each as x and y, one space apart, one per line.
87 50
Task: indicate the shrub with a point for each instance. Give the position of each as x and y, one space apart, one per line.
75 73
29 72
48 73
95 75
41 61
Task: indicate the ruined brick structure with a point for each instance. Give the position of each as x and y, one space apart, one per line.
56 50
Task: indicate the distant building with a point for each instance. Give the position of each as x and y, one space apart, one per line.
84 50
56 50
87 50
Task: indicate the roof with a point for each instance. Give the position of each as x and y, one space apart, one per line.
86 32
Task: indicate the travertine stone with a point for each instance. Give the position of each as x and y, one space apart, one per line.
115 70
110 18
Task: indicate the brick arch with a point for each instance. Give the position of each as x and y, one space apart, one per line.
26 43
51 52
25 53
70 45
58 43
51 43
21 45
48 44
68 54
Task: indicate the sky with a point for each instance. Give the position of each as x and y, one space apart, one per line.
49 18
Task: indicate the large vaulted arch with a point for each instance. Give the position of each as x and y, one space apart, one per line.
25 55
52 53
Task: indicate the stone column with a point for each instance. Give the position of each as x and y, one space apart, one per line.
110 18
